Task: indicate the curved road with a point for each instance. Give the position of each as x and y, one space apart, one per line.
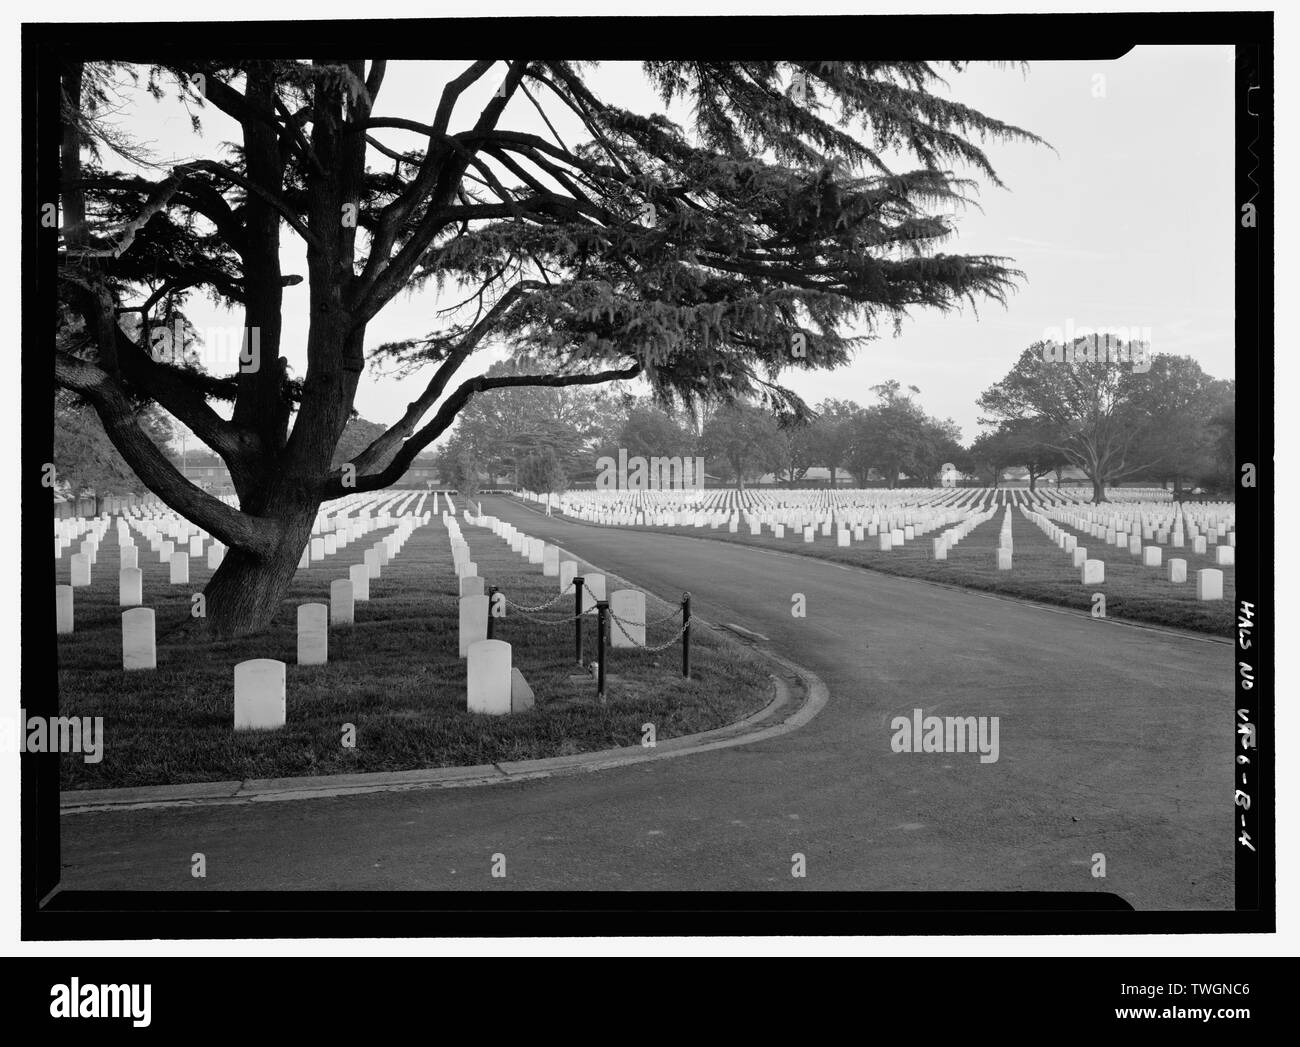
1112 740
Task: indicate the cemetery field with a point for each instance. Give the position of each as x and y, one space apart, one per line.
1040 571
394 675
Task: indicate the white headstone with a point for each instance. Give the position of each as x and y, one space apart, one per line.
629 605
1209 584
63 609
372 562
1004 559
1080 554
259 695
1177 571
551 561
1198 544
1225 555
568 570
593 590
130 556
473 622
130 584
471 585
313 634
138 649
359 576
939 547
1151 556
885 540
180 568
1094 572
342 605
80 569
196 546
488 674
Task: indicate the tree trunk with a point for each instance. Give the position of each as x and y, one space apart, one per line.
1098 490
246 591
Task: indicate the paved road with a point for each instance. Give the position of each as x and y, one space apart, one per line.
1111 740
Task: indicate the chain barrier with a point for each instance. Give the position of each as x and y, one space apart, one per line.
621 622
550 621
541 606
660 621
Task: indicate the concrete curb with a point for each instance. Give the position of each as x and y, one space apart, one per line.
754 728
758 726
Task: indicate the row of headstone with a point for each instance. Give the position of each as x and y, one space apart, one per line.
1209 581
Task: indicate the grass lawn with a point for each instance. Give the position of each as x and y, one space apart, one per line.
1040 570
395 675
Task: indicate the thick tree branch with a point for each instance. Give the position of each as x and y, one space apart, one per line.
447 413
380 449
238 530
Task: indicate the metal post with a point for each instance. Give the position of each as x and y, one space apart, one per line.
577 621
686 635
492 595
602 642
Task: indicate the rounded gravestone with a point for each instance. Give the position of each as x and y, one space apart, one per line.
473 622
180 568
313 634
627 627
260 695
130 582
63 609
593 591
342 609
488 675
359 576
138 648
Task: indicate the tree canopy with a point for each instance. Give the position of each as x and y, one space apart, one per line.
801 208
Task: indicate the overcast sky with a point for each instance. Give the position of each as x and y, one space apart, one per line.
1128 223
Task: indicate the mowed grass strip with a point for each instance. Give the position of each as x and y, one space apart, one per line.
1040 571
394 675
